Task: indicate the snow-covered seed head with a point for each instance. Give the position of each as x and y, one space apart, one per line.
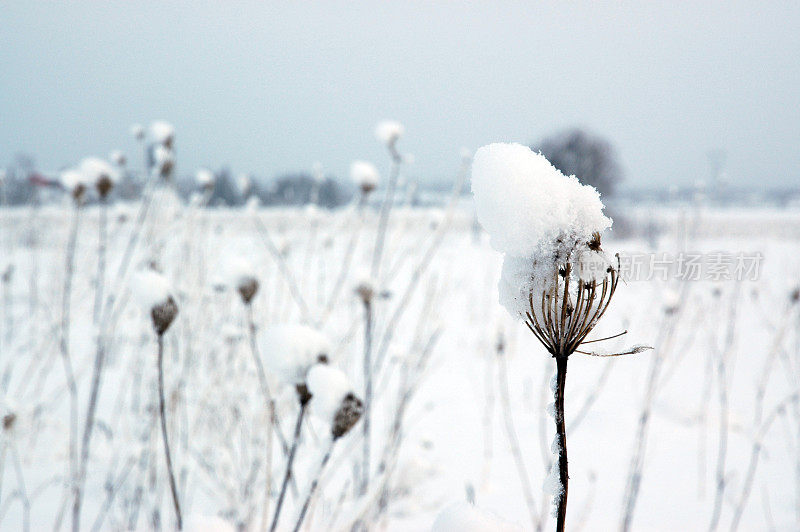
162 132
155 296
118 158
164 160
555 275
137 131
365 176
333 399
290 350
74 181
247 289
163 314
347 416
205 178
389 131
100 173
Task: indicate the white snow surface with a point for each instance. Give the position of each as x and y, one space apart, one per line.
328 387
464 517
290 350
526 204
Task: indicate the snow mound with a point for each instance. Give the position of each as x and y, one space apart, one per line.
388 131
96 169
162 132
151 289
290 350
364 174
328 387
526 204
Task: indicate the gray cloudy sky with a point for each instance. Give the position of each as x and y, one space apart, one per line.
276 87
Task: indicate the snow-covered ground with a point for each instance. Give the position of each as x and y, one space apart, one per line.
718 341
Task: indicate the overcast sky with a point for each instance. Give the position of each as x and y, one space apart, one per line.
273 88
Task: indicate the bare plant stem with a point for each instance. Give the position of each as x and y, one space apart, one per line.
272 419
161 410
289 462
561 432
69 373
513 440
365 463
754 455
313 487
101 257
386 208
87 431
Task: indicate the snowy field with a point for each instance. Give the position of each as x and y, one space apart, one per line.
707 424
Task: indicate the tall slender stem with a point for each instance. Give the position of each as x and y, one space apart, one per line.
365 464
172 485
513 439
271 417
561 431
69 373
289 462
101 257
313 487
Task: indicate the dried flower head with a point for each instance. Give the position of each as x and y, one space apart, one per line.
247 289
347 416
163 314
9 420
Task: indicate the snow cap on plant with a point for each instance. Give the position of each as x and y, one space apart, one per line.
242 277
155 296
529 207
164 160
333 399
290 350
389 131
162 132
137 131
556 276
364 175
205 178
118 158
75 182
100 173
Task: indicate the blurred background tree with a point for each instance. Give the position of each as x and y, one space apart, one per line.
589 157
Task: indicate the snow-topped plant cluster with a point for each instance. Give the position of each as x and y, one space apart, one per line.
540 219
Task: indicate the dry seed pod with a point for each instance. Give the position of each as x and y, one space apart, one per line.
347 416
163 315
